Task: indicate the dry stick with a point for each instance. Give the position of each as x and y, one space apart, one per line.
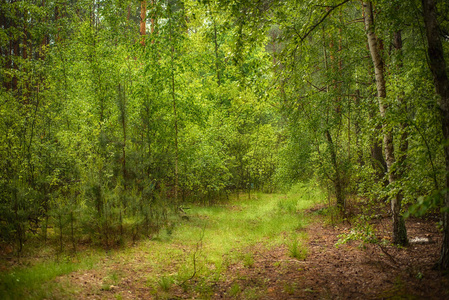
198 247
388 255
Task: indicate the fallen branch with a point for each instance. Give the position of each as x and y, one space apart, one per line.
388 254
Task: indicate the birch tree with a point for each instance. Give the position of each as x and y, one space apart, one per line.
375 44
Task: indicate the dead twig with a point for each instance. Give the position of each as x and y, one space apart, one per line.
384 251
198 248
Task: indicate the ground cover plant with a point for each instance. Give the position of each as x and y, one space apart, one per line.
274 246
193 255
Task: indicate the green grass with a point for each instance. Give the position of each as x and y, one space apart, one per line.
297 249
235 290
202 247
30 282
165 283
229 231
247 222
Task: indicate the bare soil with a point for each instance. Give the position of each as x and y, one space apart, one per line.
328 272
350 272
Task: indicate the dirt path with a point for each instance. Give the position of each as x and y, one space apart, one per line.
346 272
328 272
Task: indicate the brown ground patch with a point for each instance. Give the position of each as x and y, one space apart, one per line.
346 272
328 272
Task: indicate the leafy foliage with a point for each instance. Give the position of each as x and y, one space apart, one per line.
103 125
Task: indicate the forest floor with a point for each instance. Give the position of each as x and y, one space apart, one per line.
328 272
309 266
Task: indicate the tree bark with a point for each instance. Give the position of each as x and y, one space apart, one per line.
399 231
5 50
143 19
377 157
175 112
175 115
337 181
122 99
358 130
217 59
152 19
441 81
25 89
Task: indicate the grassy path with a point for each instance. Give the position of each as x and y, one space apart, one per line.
263 248
207 254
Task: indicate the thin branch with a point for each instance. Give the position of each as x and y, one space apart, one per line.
198 248
331 8
359 20
429 153
320 89
387 254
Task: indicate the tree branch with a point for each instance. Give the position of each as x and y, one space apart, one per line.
330 9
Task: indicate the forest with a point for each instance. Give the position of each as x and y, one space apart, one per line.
129 125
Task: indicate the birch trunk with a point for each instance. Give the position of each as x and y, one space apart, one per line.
399 231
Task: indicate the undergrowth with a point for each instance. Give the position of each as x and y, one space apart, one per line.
30 282
193 253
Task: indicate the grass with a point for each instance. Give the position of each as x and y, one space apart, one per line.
165 283
248 260
235 290
297 249
202 247
111 280
249 222
30 282
229 231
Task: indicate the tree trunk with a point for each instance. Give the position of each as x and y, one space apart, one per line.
15 64
441 81
358 130
25 89
399 231
377 157
152 20
217 59
337 181
122 99
44 41
6 51
143 19
175 115
175 112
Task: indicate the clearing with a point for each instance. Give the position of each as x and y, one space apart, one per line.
269 247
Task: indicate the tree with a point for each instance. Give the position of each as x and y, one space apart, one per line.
438 68
316 63
143 20
399 230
